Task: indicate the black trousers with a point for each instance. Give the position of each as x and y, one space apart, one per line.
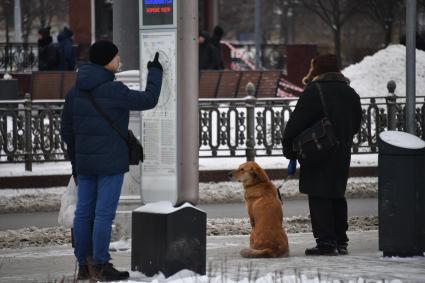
329 220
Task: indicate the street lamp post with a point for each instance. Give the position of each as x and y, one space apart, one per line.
257 34
410 65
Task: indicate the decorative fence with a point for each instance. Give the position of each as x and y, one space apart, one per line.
18 57
30 131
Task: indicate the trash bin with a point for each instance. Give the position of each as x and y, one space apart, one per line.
401 194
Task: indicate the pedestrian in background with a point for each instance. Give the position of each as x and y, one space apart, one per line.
325 183
217 47
66 50
206 52
98 154
48 53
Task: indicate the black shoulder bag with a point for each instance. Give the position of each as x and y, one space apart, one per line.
135 149
315 143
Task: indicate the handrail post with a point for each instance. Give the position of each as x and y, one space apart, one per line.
391 100
28 135
250 116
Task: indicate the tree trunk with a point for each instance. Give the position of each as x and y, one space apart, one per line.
337 43
388 34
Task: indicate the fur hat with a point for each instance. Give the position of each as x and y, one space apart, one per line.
321 64
102 52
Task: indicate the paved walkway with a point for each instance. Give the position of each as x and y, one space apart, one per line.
51 264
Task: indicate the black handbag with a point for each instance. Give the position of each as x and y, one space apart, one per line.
317 142
135 149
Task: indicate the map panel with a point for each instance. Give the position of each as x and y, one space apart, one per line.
159 125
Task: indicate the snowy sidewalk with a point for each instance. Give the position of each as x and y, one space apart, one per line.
223 260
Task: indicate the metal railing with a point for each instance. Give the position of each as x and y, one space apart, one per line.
18 57
30 131
248 127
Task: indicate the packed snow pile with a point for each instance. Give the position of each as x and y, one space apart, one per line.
226 192
370 76
38 237
44 200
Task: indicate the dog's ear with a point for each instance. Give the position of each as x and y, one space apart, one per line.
253 172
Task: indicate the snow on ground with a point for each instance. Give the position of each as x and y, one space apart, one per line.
187 276
225 163
370 76
38 237
43 200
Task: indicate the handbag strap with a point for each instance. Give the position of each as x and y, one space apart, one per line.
322 99
107 118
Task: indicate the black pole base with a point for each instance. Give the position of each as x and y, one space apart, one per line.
402 254
169 243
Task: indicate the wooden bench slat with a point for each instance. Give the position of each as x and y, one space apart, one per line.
208 81
229 83
248 76
268 84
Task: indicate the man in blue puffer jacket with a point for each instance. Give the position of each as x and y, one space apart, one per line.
98 154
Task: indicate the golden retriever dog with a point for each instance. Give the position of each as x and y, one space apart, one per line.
268 238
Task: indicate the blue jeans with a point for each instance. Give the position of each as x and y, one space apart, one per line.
97 204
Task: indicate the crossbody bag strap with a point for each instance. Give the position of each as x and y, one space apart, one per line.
107 118
322 99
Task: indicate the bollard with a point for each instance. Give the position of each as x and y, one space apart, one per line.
28 135
391 100
250 116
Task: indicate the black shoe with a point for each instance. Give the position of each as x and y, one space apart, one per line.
83 272
107 272
322 250
342 250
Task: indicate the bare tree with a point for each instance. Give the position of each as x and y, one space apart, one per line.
40 13
6 16
334 13
383 12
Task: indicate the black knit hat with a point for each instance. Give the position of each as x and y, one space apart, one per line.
102 52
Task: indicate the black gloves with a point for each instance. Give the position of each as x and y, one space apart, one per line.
155 63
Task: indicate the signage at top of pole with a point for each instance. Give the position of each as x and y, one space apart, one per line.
158 13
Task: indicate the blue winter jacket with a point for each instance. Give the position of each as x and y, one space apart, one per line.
93 146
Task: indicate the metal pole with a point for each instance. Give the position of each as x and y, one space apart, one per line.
188 109
28 134
250 121
126 32
257 34
18 21
410 65
93 20
391 106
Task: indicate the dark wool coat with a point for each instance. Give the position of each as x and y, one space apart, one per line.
329 178
93 146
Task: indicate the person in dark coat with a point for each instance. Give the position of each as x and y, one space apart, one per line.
48 54
66 50
98 154
217 48
325 183
206 53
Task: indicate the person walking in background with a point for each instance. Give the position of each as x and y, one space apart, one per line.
48 53
98 154
325 183
66 50
216 43
206 52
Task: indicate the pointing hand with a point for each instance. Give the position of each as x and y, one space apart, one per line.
155 63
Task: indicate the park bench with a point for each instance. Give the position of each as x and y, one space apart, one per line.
51 84
231 84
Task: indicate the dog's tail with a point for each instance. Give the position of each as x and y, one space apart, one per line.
264 253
